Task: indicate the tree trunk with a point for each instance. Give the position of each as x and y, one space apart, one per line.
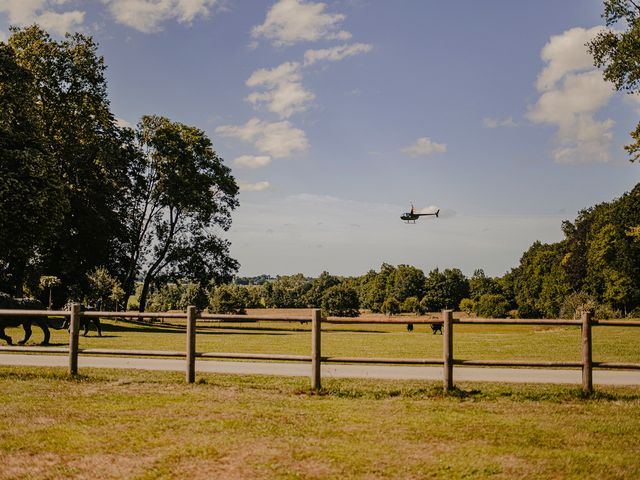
145 292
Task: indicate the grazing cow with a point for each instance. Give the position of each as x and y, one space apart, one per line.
436 327
84 321
8 302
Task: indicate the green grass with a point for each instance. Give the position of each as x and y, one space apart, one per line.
147 425
615 344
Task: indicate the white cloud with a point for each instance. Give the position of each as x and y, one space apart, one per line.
277 139
424 146
335 53
253 187
42 12
572 92
292 21
489 122
284 93
148 15
566 53
252 161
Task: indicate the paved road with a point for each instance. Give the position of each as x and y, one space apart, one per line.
519 375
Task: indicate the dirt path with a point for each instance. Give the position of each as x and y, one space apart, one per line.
520 375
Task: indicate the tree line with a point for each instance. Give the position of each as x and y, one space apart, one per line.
596 265
82 198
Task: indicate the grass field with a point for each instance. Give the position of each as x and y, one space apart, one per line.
615 344
148 425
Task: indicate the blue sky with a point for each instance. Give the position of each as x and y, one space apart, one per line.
335 116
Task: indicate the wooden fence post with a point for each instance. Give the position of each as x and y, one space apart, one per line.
447 348
316 324
191 344
74 329
587 356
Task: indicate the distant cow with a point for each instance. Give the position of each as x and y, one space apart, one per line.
84 321
8 302
436 327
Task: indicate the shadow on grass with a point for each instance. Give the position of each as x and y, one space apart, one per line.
491 392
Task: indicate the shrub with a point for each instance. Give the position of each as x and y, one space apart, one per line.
228 299
194 294
411 305
467 305
168 297
340 301
573 305
492 306
391 306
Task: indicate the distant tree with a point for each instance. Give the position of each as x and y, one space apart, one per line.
375 287
444 289
467 305
540 282
229 299
480 284
341 301
49 282
101 286
165 298
411 305
618 51
406 281
194 294
314 295
391 306
287 291
492 306
574 303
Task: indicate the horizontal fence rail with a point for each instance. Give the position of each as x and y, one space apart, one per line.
586 323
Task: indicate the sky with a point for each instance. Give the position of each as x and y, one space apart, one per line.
335 116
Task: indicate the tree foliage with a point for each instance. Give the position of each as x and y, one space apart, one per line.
618 52
183 192
341 301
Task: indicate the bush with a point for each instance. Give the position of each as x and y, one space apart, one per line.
492 306
168 297
411 305
228 299
573 305
467 305
605 312
340 301
391 306
194 294
133 304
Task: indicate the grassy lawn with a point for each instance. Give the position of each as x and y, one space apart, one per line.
614 344
147 425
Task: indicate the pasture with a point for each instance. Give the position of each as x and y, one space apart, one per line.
148 425
495 342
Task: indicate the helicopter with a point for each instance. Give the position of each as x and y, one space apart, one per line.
411 217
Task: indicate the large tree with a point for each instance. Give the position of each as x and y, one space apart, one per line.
182 195
618 52
83 149
31 201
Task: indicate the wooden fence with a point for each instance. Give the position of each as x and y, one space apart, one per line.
316 359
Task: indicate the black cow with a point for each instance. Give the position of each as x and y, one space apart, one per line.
436 327
8 302
84 321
